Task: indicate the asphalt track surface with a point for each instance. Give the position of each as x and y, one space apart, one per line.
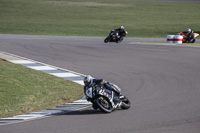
161 81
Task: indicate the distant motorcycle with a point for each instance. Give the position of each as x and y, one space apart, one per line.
185 37
106 100
114 37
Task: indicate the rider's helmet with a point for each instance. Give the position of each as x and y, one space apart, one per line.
188 30
88 80
122 28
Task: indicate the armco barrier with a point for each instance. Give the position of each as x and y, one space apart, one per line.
174 38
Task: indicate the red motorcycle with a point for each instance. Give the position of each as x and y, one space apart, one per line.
185 37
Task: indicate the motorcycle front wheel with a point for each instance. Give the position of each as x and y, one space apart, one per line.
120 40
125 103
104 104
193 41
106 40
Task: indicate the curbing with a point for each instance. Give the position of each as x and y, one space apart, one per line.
53 70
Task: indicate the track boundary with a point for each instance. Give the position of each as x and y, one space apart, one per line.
49 69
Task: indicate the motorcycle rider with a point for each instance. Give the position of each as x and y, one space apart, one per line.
190 35
122 32
90 81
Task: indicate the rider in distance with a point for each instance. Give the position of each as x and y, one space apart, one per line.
122 32
190 35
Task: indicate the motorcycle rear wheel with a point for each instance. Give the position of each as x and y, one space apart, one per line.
104 104
120 40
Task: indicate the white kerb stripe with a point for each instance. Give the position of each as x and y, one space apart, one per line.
64 74
86 103
80 101
26 117
22 62
42 68
79 82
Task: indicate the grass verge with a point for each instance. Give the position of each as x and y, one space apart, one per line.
23 90
97 17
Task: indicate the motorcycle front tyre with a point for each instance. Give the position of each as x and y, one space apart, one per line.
106 40
102 100
193 41
125 103
120 40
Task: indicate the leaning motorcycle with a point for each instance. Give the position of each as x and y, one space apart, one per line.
185 37
106 100
114 37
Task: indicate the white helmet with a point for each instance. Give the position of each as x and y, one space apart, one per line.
122 27
188 30
88 80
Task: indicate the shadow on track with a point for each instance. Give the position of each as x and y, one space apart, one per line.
82 112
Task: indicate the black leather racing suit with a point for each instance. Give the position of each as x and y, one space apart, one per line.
122 33
190 36
105 84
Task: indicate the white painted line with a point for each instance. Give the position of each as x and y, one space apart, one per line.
26 117
42 67
80 101
134 43
22 61
86 103
40 113
29 115
65 75
40 63
79 82
11 118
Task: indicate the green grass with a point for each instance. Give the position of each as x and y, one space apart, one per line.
97 17
24 90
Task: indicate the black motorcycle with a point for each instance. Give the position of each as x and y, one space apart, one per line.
106 100
113 37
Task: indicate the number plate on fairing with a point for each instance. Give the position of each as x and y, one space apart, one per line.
89 92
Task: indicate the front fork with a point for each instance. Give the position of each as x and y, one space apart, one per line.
117 104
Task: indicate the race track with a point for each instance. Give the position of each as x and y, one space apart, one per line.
161 81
